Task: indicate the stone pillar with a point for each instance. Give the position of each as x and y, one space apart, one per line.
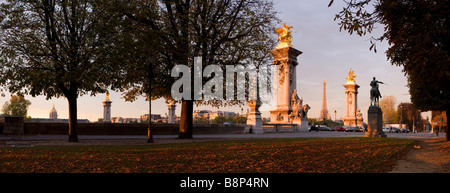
351 105
254 121
285 62
107 111
171 114
375 122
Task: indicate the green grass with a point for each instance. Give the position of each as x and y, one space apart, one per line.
293 155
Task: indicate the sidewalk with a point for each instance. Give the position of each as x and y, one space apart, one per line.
430 156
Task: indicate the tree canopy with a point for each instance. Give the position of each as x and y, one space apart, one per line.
17 106
387 105
58 48
224 32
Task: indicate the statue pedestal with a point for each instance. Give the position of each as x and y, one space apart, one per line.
254 121
375 122
302 123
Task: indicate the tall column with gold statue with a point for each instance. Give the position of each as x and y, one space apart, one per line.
107 109
284 84
353 116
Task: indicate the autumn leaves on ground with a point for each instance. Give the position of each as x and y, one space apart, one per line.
346 155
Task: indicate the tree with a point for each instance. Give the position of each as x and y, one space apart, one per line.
387 105
224 32
58 48
409 115
18 106
418 35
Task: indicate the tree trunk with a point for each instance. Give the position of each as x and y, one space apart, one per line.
73 135
149 131
186 127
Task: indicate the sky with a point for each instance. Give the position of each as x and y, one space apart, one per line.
328 55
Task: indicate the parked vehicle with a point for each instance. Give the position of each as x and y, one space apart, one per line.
359 129
313 128
319 128
404 130
354 129
396 130
323 128
340 129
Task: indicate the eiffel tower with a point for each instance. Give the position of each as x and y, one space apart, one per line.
324 111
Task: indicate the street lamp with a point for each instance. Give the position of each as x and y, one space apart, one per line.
335 115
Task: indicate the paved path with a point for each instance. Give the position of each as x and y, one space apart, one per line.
431 155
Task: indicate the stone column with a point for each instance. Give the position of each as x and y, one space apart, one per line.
171 114
351 106
285 62
107 111
254 121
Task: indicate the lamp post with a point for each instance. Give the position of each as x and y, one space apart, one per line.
335 115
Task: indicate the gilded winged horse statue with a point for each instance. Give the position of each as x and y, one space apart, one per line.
284 36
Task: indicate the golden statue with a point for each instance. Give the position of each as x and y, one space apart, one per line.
351 76
284 37
107 96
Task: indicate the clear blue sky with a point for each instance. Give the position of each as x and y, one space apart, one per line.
327 56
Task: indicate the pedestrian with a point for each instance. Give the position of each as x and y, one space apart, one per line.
436 130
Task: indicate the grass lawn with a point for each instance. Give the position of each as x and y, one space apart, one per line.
294 155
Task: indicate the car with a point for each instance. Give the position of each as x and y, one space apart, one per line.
349 129
313 128
228 123
340 129
404 130
396 130
323 128
359 129
354 129
386 129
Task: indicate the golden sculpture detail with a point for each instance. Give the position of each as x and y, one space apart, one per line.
351 76
107 96
284 36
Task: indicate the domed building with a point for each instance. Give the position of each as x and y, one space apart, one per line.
53 114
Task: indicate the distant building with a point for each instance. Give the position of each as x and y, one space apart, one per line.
53 114
212 115
45 120
116 120
201 113
124 120
53 118
154 117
